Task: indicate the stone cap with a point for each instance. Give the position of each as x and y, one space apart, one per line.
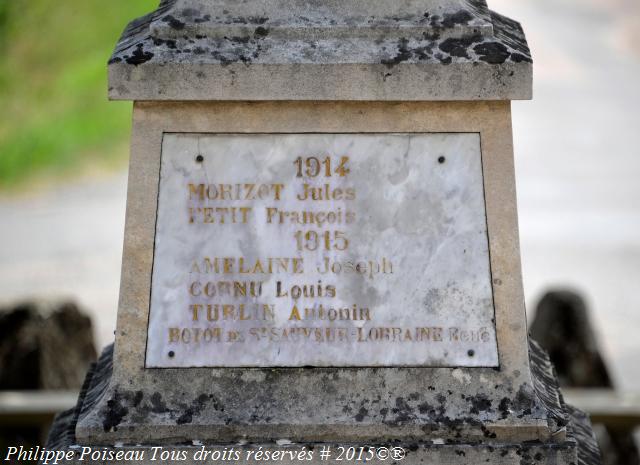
399 50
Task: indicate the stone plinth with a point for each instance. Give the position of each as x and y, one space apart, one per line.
321 243
300 50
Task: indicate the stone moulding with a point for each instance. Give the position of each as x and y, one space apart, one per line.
410 50
577 444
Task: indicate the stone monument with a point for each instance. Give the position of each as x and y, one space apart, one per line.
321 249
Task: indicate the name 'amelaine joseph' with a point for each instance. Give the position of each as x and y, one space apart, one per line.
289 265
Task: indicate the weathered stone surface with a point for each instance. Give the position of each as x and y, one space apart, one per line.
577 446
355 50
305 19
353 257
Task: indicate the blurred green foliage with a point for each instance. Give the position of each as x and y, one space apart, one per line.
55 116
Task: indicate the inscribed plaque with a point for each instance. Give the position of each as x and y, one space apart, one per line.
338 250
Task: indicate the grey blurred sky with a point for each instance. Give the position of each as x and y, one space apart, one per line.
578 174
578 163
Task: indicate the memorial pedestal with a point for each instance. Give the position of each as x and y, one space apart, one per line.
321 243
574 442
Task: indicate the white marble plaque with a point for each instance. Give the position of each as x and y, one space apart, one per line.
341 250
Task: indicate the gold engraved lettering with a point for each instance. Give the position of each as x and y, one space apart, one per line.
466 335
174 334
219 215
195 335
305 290
322 313
325 192
232 312
246 191
274 334
234 289
274 215
295 313
369 268
242 265
395 334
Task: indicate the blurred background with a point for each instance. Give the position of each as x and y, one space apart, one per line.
64 151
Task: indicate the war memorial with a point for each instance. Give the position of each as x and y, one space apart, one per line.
321 258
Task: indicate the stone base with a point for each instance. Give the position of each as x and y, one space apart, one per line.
578 447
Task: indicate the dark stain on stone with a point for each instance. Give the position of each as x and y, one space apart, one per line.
487 433
113 413
239 39
431 36
402 410
459 47
493 53
403 54
510 32
479 403
504 407
261 32
137 398
525 412
170 43
423 53
462 17
519 58
460 453
189 12
157 404
173 22
426 408
523 399
224 61
186 417
204 19
216 403
361 414
139 56
258 19
193 410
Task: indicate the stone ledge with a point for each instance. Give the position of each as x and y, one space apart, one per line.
403 60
